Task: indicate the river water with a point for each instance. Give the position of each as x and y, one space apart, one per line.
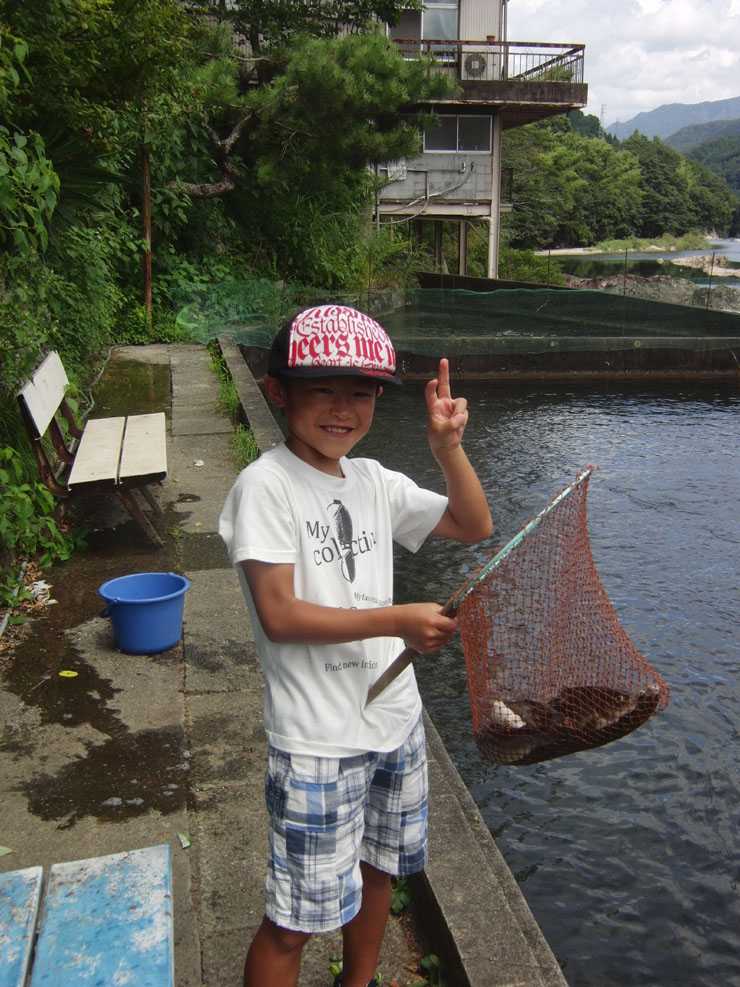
649 263
628 855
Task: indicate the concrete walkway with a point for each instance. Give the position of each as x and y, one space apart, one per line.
136 750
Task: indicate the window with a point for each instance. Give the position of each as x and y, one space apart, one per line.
442 136
439 20
459 133
474 134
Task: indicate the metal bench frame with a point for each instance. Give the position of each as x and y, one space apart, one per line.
130 451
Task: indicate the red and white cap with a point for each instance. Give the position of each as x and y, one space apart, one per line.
333 340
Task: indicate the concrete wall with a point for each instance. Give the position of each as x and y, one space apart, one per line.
479 18
444 171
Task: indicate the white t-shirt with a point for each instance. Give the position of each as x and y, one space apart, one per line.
338 533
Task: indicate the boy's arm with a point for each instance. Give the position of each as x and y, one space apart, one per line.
468 517
287 619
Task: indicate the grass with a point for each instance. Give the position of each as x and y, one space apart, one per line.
244 446
666 242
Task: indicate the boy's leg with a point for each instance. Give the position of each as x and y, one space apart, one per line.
274 958
362 937
394 842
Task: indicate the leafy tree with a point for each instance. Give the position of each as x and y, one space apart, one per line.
585 124
722 156
609 196
667 205
337 108
28 183
568 188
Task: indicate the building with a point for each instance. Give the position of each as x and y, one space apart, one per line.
501 83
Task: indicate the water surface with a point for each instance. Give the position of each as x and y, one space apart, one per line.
628 855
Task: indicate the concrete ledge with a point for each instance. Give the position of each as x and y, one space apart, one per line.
471 906
471 896
267 432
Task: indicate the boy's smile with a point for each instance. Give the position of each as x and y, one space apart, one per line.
326 416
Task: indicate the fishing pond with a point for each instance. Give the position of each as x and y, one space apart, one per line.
628 855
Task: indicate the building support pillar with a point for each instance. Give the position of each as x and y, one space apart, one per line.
437 244
494 222
462 254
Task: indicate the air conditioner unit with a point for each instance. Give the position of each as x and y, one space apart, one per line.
479 65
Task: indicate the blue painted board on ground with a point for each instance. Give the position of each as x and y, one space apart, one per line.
108 920
20 893
103 921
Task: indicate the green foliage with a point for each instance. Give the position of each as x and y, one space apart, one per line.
585 124
400 895
722 156
271 25
334 110
28 190
525 265
244 446
27 524
690 138
432 968
688 241
573 187
28 182
515 264
569 188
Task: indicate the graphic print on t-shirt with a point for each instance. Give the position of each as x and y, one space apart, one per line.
343 527
339 542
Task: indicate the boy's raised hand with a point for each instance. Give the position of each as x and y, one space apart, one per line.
446 416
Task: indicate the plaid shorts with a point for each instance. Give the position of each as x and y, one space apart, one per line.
329 813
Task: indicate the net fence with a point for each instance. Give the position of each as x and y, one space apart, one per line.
431 321
550 669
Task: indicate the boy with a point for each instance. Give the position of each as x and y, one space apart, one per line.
310 533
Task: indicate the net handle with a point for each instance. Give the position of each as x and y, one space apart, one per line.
451 607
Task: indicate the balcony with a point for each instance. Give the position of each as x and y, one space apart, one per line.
526 80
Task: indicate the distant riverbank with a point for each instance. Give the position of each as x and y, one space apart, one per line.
716 265
661 245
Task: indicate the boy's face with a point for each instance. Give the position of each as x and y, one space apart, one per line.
327 416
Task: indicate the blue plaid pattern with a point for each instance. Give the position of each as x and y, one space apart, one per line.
329 813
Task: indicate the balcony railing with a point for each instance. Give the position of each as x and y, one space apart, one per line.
493 61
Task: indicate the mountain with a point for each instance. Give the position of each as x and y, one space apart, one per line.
688 138
668 119
722 156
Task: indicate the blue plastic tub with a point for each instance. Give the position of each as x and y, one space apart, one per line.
146 610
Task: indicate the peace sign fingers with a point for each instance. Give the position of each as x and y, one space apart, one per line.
443 379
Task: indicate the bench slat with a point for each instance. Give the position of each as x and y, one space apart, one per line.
98 452
20 893
43 394
108 920
144 446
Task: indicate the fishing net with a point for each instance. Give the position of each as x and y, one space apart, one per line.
550 669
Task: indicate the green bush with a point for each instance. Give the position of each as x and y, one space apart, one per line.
27 524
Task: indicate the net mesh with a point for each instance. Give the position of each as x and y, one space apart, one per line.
550 669
505 322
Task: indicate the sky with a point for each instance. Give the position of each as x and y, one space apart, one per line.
641 54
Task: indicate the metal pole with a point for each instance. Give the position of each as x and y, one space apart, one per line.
624 274
711 272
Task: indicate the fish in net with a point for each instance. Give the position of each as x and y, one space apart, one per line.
550 669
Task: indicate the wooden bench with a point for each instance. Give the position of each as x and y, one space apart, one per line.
106 920
116 454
